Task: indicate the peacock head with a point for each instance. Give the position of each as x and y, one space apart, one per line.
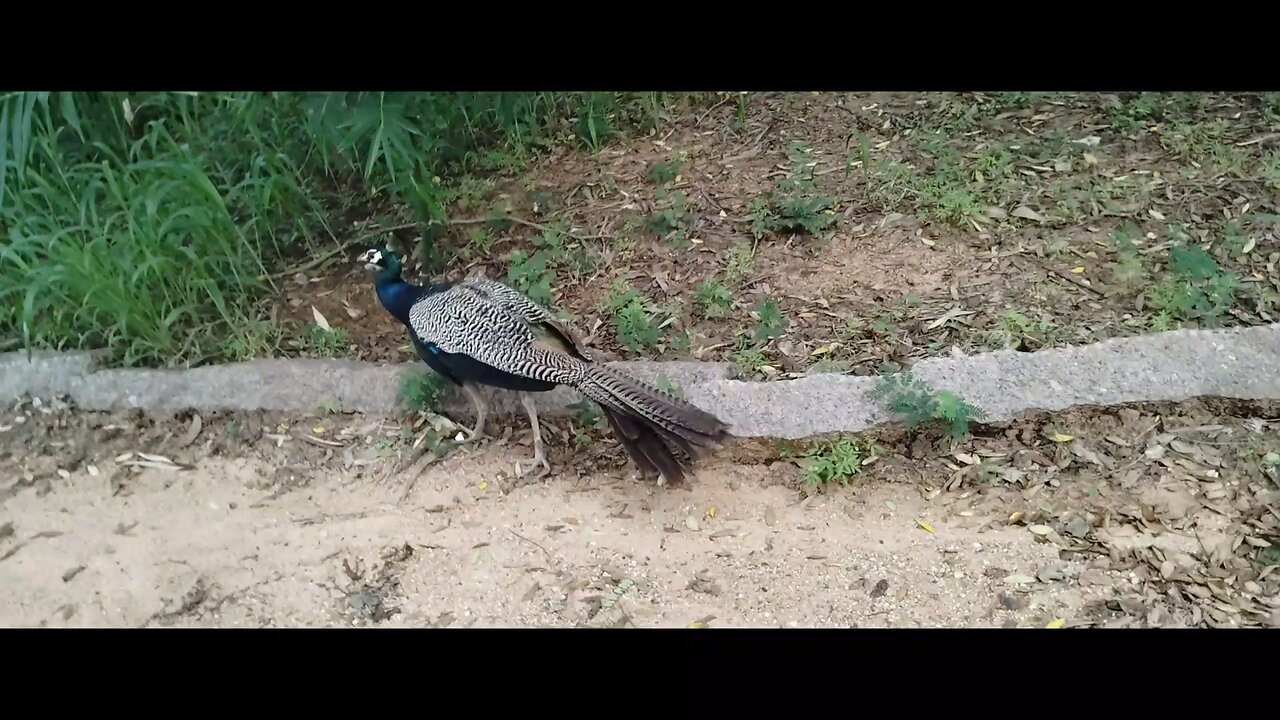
380 260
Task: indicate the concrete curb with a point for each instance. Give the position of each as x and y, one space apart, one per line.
1240 363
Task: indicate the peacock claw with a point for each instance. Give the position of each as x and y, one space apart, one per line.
539 457
473 435
525 466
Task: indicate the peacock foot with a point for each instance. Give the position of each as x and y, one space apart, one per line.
473 435
524 467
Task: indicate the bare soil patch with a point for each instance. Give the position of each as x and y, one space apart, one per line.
1151 516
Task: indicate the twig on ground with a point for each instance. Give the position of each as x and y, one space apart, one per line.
324 257
711 110
1068 277
521 221
755 142
533 543
421 459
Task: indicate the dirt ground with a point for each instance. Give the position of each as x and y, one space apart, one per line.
983 221
1149 516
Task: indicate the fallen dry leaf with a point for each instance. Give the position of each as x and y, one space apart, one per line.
1026 213
319 318
193 430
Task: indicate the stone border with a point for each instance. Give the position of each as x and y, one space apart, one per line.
1240 363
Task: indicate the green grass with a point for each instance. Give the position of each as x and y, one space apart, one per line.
639 323
714 300
322 343
421 392
152 225
1197 289
838 461
794 205
919 406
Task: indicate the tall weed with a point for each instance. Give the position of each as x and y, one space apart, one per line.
150 224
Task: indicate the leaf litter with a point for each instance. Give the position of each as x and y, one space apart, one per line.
1169 510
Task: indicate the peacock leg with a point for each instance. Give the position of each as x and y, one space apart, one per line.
482 409
539 458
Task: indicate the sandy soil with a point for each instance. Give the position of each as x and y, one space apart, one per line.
240 535
208 547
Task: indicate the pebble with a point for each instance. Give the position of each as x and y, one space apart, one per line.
1012 602
1051 573
1077 527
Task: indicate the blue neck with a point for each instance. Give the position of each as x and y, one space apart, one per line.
398 296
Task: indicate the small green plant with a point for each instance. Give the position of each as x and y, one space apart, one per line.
330 343
681 342
918 405
1270 170
1200 142
1135 112
740 117
620 295
531 275
794 205
636 329
668 386
1198 289
830 366
421 392
586 413
1016 100
252 339
771 323
674 218
1128 268
478 243
594 124
468 192
714 299
825 463
747 359
634 319
739 263
664 173
1013 329
563 251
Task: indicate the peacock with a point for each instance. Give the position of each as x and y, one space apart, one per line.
479 331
